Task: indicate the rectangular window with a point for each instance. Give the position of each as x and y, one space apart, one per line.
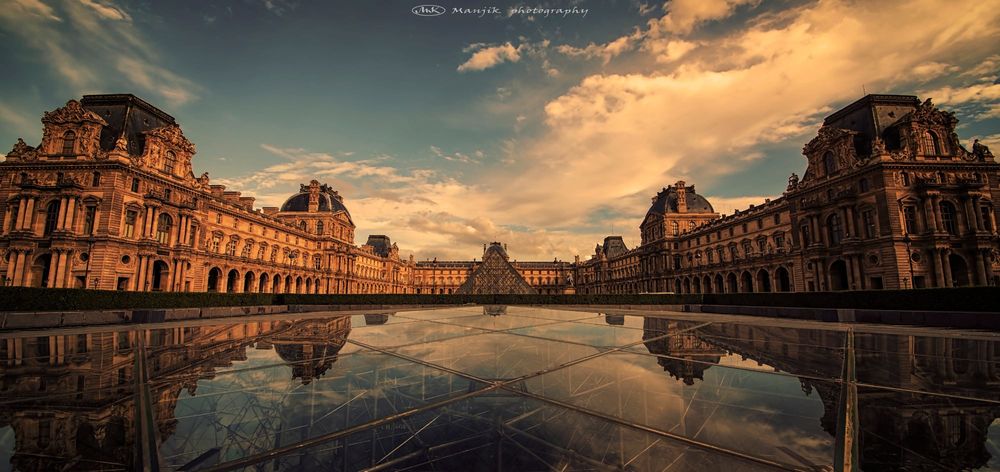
135 185
910 219
744 228
876 283
868 223
88 220
130 217
777 218
760 223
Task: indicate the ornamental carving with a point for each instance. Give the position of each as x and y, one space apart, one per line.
22 151
173 137
72 113
929 114
840 142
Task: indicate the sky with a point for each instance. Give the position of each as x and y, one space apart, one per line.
544 125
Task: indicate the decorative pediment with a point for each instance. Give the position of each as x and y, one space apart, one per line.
72 113
834 140
929 114
827 138
172 136
21 151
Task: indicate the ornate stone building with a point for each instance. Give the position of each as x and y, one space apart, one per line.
109 200
889 199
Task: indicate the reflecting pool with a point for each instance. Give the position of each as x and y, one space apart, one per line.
499 388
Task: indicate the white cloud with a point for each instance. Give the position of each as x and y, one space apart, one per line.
931 70
486 57
458 156
82 40
684 15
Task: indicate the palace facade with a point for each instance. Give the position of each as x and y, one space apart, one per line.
109 200
889 199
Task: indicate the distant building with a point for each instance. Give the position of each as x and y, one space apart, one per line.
889 199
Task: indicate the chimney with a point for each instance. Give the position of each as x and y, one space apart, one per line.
682 204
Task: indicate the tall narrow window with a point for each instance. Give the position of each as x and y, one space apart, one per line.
985 213
215 243
90 214
675 228
829 163
910 219
747 248
834 229
135 185
163 226
169 161
932 145
948 218
14 212
868 223
192 235
863 185
51 217
96 180
319 227
130 218
69 143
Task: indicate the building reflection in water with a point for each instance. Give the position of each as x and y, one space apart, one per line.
70 399
936 413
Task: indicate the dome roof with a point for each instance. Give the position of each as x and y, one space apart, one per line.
329 199
666 201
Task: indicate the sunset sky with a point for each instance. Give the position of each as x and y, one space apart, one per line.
449 131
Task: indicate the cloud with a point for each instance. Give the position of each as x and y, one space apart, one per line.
605 52
81 41
486 57
458 156
684 15
107 10
931 70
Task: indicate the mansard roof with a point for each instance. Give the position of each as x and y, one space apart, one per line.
666 202
126 114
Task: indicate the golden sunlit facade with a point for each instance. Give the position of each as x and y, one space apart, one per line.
889 199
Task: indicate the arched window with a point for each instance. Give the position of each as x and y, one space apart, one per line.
834 229
932 145
675 228
829 163
319 227
302 225
163 225
169 161
69 143
948 218
51 217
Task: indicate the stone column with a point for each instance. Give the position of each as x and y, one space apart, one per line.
946 265
848 222
140 273
61 218
936 209
67 269
981 277
12 264
148 278
22 209
972 216
19 269
29 216
54 259
939 267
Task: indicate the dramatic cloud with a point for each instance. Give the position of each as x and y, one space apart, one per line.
113 44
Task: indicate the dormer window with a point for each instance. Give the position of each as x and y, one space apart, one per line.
932 145
829 163
69 143
169 161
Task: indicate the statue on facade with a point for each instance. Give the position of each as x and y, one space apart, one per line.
980 150
793 181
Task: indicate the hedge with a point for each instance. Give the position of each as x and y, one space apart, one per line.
949 299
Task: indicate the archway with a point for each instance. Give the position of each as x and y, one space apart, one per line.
746 282
288 284
309 285
160 271
248 280
697 285
40 271
731 285
687 285
959 271
707 284
231 281
720 286
298 285
276 283
782 280
262 285
213 279
763 281
838 275
677 285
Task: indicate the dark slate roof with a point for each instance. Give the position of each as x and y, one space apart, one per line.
381 243
327 202
614 246
128 114
666 202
